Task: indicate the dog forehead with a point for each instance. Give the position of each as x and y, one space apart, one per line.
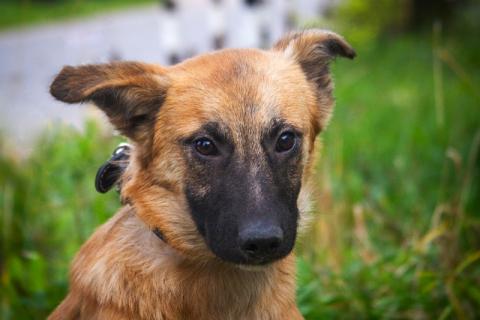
240 88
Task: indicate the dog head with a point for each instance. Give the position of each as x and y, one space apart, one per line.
223 141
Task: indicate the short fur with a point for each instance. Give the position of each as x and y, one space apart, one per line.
124 271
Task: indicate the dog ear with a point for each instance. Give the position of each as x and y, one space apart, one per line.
129 93
314 50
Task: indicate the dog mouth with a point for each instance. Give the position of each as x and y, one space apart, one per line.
260 262
254 267
254 260
248 263
251 257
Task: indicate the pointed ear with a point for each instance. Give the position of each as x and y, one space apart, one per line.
313 50
129 93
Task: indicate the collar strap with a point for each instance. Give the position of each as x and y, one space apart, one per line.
159 234
111 171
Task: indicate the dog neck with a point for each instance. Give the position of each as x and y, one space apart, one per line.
126 265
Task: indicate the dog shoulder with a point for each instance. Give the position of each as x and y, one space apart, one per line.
75 306
110 270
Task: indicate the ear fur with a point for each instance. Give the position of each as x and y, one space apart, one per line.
313 50
129 93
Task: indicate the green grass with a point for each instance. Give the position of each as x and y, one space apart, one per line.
17 13
49 207
397 223
398 208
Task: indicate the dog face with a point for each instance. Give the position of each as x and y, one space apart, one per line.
223 141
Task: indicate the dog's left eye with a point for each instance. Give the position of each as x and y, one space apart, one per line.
285 142
205 147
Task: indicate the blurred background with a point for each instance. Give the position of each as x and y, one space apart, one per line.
396 233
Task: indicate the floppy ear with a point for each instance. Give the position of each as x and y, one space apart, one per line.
129 93
314 50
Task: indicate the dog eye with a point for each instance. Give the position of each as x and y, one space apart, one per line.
285 142
205 147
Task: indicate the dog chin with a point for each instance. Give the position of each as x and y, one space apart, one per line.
253 267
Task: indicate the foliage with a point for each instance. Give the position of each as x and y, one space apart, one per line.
397 220
384 16
369 20
14 12
49 207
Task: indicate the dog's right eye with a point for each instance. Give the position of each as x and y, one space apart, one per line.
285 142
205 147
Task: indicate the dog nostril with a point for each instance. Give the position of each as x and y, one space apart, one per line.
261 243
274 245
252 248
261 247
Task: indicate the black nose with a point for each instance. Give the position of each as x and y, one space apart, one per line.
259 242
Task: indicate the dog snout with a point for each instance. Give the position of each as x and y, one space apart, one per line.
260 242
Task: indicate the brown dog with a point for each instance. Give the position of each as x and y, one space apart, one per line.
224 146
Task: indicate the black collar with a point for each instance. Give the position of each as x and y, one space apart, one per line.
111 171
159 234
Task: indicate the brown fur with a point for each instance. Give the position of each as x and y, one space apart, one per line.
124 271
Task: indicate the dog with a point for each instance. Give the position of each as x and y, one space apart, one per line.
217 185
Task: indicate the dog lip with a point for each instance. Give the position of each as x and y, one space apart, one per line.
253 267
240 259
260 261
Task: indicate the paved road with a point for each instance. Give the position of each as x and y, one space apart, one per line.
30 57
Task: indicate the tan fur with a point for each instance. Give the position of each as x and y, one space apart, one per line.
124 271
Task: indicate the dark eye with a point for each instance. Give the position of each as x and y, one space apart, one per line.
285 142
205 147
